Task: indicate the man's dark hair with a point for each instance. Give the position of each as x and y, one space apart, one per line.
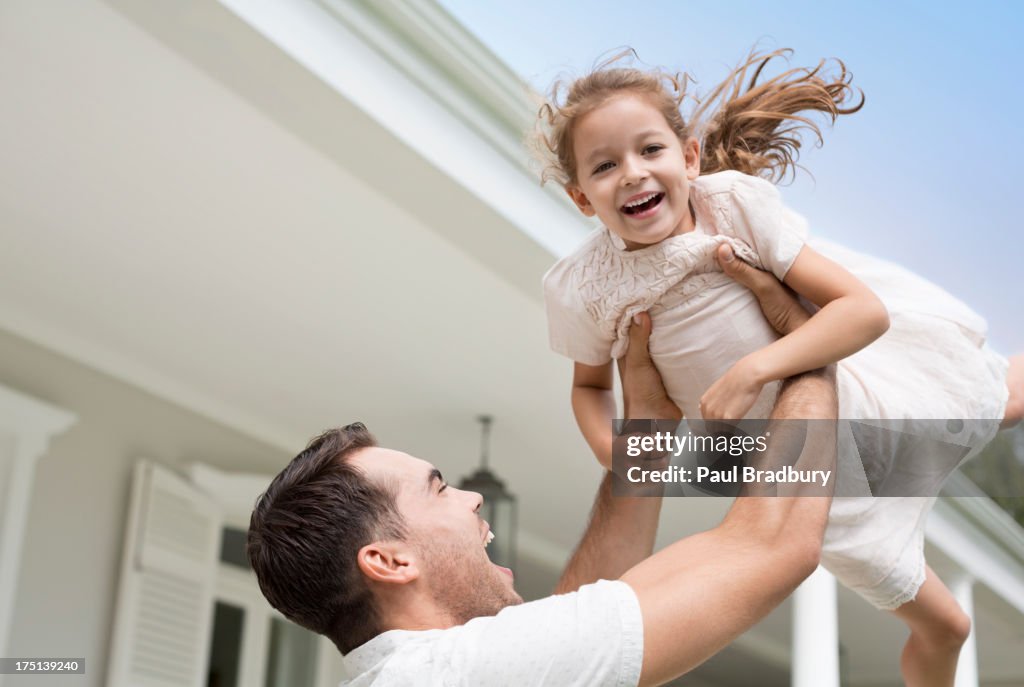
307 529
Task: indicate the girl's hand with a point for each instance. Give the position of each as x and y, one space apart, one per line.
733 395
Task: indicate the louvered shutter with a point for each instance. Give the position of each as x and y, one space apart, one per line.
161 631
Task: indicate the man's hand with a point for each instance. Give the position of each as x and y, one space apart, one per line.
643 391
732 395
778 303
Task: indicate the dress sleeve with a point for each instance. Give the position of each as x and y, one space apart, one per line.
592 637
775 232
572 329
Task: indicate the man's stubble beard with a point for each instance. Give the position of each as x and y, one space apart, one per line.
465 586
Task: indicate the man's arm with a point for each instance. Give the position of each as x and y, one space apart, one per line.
622 529
702 592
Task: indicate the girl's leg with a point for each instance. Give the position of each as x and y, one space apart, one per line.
938 628
1015 382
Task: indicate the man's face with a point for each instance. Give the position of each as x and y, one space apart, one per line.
447 534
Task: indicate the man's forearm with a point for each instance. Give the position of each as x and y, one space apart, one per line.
803 435
711 587
619 535
622 529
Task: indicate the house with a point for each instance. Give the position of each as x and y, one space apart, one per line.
228 225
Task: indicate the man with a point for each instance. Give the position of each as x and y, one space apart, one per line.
373 549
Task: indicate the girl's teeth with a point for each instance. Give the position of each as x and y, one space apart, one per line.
641 201
490 538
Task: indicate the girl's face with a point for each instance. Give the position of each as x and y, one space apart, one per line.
633 172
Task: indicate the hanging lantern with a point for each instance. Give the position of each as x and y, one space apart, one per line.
499 507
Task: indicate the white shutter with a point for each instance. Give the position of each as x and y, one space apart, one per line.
161 633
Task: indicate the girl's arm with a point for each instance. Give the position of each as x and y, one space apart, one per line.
850 318
593 403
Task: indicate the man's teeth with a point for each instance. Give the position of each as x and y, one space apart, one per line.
640 201
490 538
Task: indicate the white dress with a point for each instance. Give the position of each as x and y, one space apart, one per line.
932 363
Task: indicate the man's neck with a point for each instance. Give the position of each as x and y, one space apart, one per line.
416 612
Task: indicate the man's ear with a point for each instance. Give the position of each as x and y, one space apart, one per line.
582 202
390 562
691 155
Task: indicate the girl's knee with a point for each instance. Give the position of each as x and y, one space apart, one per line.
950 631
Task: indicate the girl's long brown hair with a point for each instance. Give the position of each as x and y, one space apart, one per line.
747 123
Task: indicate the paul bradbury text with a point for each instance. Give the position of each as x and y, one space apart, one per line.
735 475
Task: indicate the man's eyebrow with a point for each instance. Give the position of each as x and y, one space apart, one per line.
435 474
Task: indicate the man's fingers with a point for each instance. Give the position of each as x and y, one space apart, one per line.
778 303
740 271
643 389
639 334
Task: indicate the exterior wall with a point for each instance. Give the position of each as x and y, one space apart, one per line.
67 581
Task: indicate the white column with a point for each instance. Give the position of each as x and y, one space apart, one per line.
816 632
26 427
962 587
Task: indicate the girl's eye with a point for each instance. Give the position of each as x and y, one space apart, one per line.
444 485
653 148
604 166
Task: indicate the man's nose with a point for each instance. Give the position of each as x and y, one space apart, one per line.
477 500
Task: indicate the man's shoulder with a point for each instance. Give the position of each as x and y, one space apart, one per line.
523 639
392 658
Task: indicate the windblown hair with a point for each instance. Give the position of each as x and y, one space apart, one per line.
747 123
307 529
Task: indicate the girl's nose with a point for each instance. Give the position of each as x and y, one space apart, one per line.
632 172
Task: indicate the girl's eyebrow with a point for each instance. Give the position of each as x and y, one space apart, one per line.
601 151
594 155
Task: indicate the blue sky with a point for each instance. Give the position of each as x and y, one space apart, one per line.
928 174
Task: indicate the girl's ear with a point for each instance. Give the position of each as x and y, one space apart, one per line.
391 562
691 156
582 202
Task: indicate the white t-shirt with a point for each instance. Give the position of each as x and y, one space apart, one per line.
592 638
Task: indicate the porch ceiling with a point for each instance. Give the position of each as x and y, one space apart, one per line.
175 233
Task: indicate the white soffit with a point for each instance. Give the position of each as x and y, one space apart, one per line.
419 75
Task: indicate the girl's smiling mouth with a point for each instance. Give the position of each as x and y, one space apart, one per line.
642 205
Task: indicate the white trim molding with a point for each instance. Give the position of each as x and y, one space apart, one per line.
27 425
427 81
235 492
980 538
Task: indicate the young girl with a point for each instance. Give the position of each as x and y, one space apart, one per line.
670 205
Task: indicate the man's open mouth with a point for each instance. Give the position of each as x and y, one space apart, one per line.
643 203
